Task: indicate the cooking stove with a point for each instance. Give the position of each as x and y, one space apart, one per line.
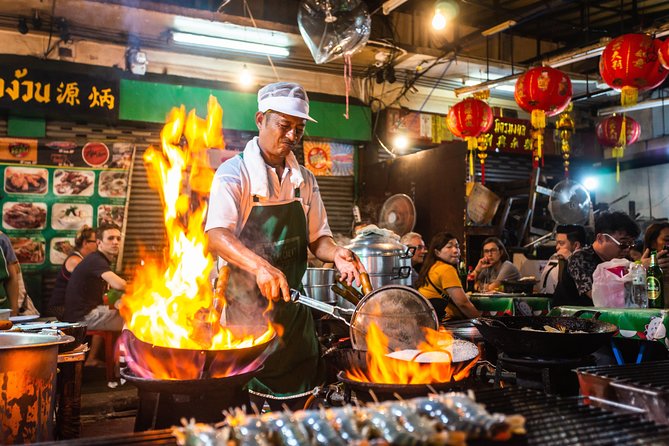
163 402
553 376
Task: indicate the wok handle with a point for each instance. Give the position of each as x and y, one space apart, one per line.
296 296
366 283
595 314
345 293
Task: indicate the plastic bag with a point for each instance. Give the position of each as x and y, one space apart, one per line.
608 283
333 28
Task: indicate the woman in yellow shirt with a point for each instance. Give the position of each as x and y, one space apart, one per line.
438 280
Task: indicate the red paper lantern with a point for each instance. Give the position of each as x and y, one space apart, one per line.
630 63
468 119
617 131
663 54
543 89
610 129
542 92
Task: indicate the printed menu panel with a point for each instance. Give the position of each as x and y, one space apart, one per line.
54 188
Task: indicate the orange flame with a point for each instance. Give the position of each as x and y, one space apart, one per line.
382 369
169 302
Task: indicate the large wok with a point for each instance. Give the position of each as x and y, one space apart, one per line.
506 335
147 360
399 311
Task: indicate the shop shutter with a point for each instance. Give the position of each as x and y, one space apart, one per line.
337 193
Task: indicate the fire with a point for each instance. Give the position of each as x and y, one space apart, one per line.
382 369
170 300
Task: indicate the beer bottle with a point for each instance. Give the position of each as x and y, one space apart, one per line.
654 283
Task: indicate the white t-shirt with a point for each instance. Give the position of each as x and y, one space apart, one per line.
231 200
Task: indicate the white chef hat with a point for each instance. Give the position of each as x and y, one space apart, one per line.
285 97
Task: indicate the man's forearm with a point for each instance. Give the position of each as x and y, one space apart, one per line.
224 244
324 248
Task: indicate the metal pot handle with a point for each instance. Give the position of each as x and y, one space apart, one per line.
410 252
402 272
595 314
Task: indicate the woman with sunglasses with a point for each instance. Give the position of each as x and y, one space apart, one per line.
84 244
438 280
494 266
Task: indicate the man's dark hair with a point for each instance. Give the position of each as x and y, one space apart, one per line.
99 232
609 222
575 233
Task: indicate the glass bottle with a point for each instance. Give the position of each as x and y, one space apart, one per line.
654 285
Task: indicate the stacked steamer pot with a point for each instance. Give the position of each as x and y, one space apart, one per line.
387 261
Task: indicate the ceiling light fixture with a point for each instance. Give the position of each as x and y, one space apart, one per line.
499 28
390 5
229 44
23 25
136 61
439 20
638 106
245 77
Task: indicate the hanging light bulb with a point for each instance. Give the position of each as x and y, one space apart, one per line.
439 19
401 142
245 77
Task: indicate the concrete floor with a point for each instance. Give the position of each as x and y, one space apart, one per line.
106 411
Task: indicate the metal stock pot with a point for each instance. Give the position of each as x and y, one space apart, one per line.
387 261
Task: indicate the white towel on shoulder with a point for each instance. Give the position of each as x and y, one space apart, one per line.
257 169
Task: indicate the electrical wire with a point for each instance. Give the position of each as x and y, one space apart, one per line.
253 21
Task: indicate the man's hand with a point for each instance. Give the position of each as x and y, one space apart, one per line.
349 266
482 264
272 283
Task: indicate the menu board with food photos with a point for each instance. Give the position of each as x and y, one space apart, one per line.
51 189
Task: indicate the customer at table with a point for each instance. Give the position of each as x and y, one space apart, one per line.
84 244
438 280
87 286
615 233
494 266
415 241
568 238
656 238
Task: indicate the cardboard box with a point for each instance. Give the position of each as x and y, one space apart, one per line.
482 204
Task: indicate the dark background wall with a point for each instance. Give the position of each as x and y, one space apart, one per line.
434 179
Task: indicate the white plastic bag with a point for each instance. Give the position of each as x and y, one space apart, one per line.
608 288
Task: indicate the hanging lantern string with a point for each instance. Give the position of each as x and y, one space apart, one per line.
622 142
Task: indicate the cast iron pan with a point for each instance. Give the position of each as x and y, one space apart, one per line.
506 335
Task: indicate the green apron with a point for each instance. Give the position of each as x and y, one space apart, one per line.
278 233
4 275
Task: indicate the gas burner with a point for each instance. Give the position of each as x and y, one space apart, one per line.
554 376
163 402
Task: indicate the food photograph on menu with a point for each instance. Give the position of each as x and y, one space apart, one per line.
61 247
74 182
71 216
26 180
113 184
29 250
110 214
23 215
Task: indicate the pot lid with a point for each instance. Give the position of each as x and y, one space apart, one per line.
27 340
374 241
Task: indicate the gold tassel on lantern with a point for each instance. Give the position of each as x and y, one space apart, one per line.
564 128
483 146
629 96
619 150
538 119
471 146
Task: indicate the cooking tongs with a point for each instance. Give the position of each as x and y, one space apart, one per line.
333 310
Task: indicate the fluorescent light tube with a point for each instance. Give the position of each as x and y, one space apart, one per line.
390 5
231 31
652 103
499 28
229 44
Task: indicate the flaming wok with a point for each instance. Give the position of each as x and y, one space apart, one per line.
146 360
